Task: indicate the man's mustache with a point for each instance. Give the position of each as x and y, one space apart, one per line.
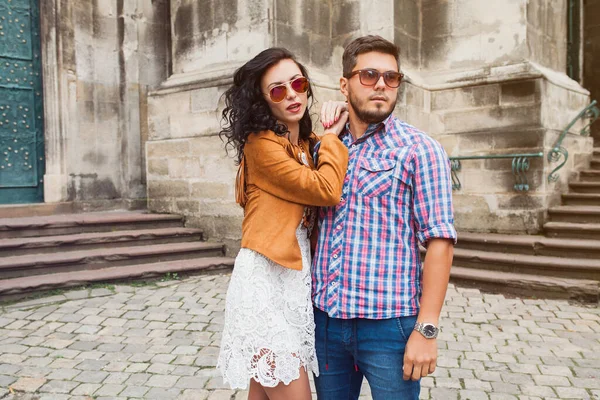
379 97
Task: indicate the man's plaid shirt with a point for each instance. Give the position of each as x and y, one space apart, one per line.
397 193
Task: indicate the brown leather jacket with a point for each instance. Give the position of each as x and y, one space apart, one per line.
274 185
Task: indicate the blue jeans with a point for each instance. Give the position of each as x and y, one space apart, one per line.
349 349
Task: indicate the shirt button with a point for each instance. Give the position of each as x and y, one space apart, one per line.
335 255
338 228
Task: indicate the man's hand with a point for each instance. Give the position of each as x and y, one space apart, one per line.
420 357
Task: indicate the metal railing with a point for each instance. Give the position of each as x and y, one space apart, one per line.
520 161
520 165
591 112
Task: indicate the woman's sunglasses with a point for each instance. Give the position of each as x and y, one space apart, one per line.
298 85
369 77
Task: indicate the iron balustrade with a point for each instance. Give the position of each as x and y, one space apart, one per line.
520 165
520 161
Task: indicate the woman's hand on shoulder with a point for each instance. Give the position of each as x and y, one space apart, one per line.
334 115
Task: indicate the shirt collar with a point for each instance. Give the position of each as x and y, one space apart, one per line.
383 126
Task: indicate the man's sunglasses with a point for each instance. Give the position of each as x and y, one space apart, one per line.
370 77
298 85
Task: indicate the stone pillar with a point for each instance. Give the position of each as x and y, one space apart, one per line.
591 55
495 73
188 169
99 61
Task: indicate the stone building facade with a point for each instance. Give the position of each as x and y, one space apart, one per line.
99 58
132 94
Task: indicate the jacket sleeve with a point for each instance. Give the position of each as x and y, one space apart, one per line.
277 173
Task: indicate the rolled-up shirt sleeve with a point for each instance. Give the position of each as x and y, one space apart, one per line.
432 193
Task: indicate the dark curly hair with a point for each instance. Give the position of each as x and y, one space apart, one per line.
246 109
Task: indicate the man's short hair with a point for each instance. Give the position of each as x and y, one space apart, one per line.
366 44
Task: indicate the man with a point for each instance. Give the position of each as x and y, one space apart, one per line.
377 307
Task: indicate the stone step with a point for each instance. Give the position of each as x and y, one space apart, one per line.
589 175
595 164
526 285
23 285
69 224
19 266
578 214
537 266
585 187
581 199
596 152
529 245
572 230
95 240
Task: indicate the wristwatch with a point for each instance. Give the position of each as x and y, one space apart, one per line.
430 331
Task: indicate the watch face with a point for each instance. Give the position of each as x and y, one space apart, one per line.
429 330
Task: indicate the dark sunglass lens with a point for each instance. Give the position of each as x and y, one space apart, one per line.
368 77
277 93
300 85
392 79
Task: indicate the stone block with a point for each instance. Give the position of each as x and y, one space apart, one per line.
211 207
320 50
170 188
527 140
188 125
206 99
414 96
466 97
487 118
85 90
437 19
409 49
407 17
224 12
187 207
292 37
161 205
346 18
170 148
212 190
520 92
158 166
478 213
316 15
185 167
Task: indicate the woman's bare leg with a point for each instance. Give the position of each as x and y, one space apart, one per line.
256 391
298 389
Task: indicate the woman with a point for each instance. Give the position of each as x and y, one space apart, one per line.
268 338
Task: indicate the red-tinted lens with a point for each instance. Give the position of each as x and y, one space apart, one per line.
277 93
300 85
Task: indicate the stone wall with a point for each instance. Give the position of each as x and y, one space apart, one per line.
209 34
466 34
110 52
478 78
591 55
547 33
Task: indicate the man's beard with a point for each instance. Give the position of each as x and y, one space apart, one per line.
370 116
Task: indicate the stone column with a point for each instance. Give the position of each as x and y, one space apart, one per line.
591 55
495 72
99 60
188 170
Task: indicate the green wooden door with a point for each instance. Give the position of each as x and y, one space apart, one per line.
21 113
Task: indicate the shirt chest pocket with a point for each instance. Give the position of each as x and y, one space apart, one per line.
375 176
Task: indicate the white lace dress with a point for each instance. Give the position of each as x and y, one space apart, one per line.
269 328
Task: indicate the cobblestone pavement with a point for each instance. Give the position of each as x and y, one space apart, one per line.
161 341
